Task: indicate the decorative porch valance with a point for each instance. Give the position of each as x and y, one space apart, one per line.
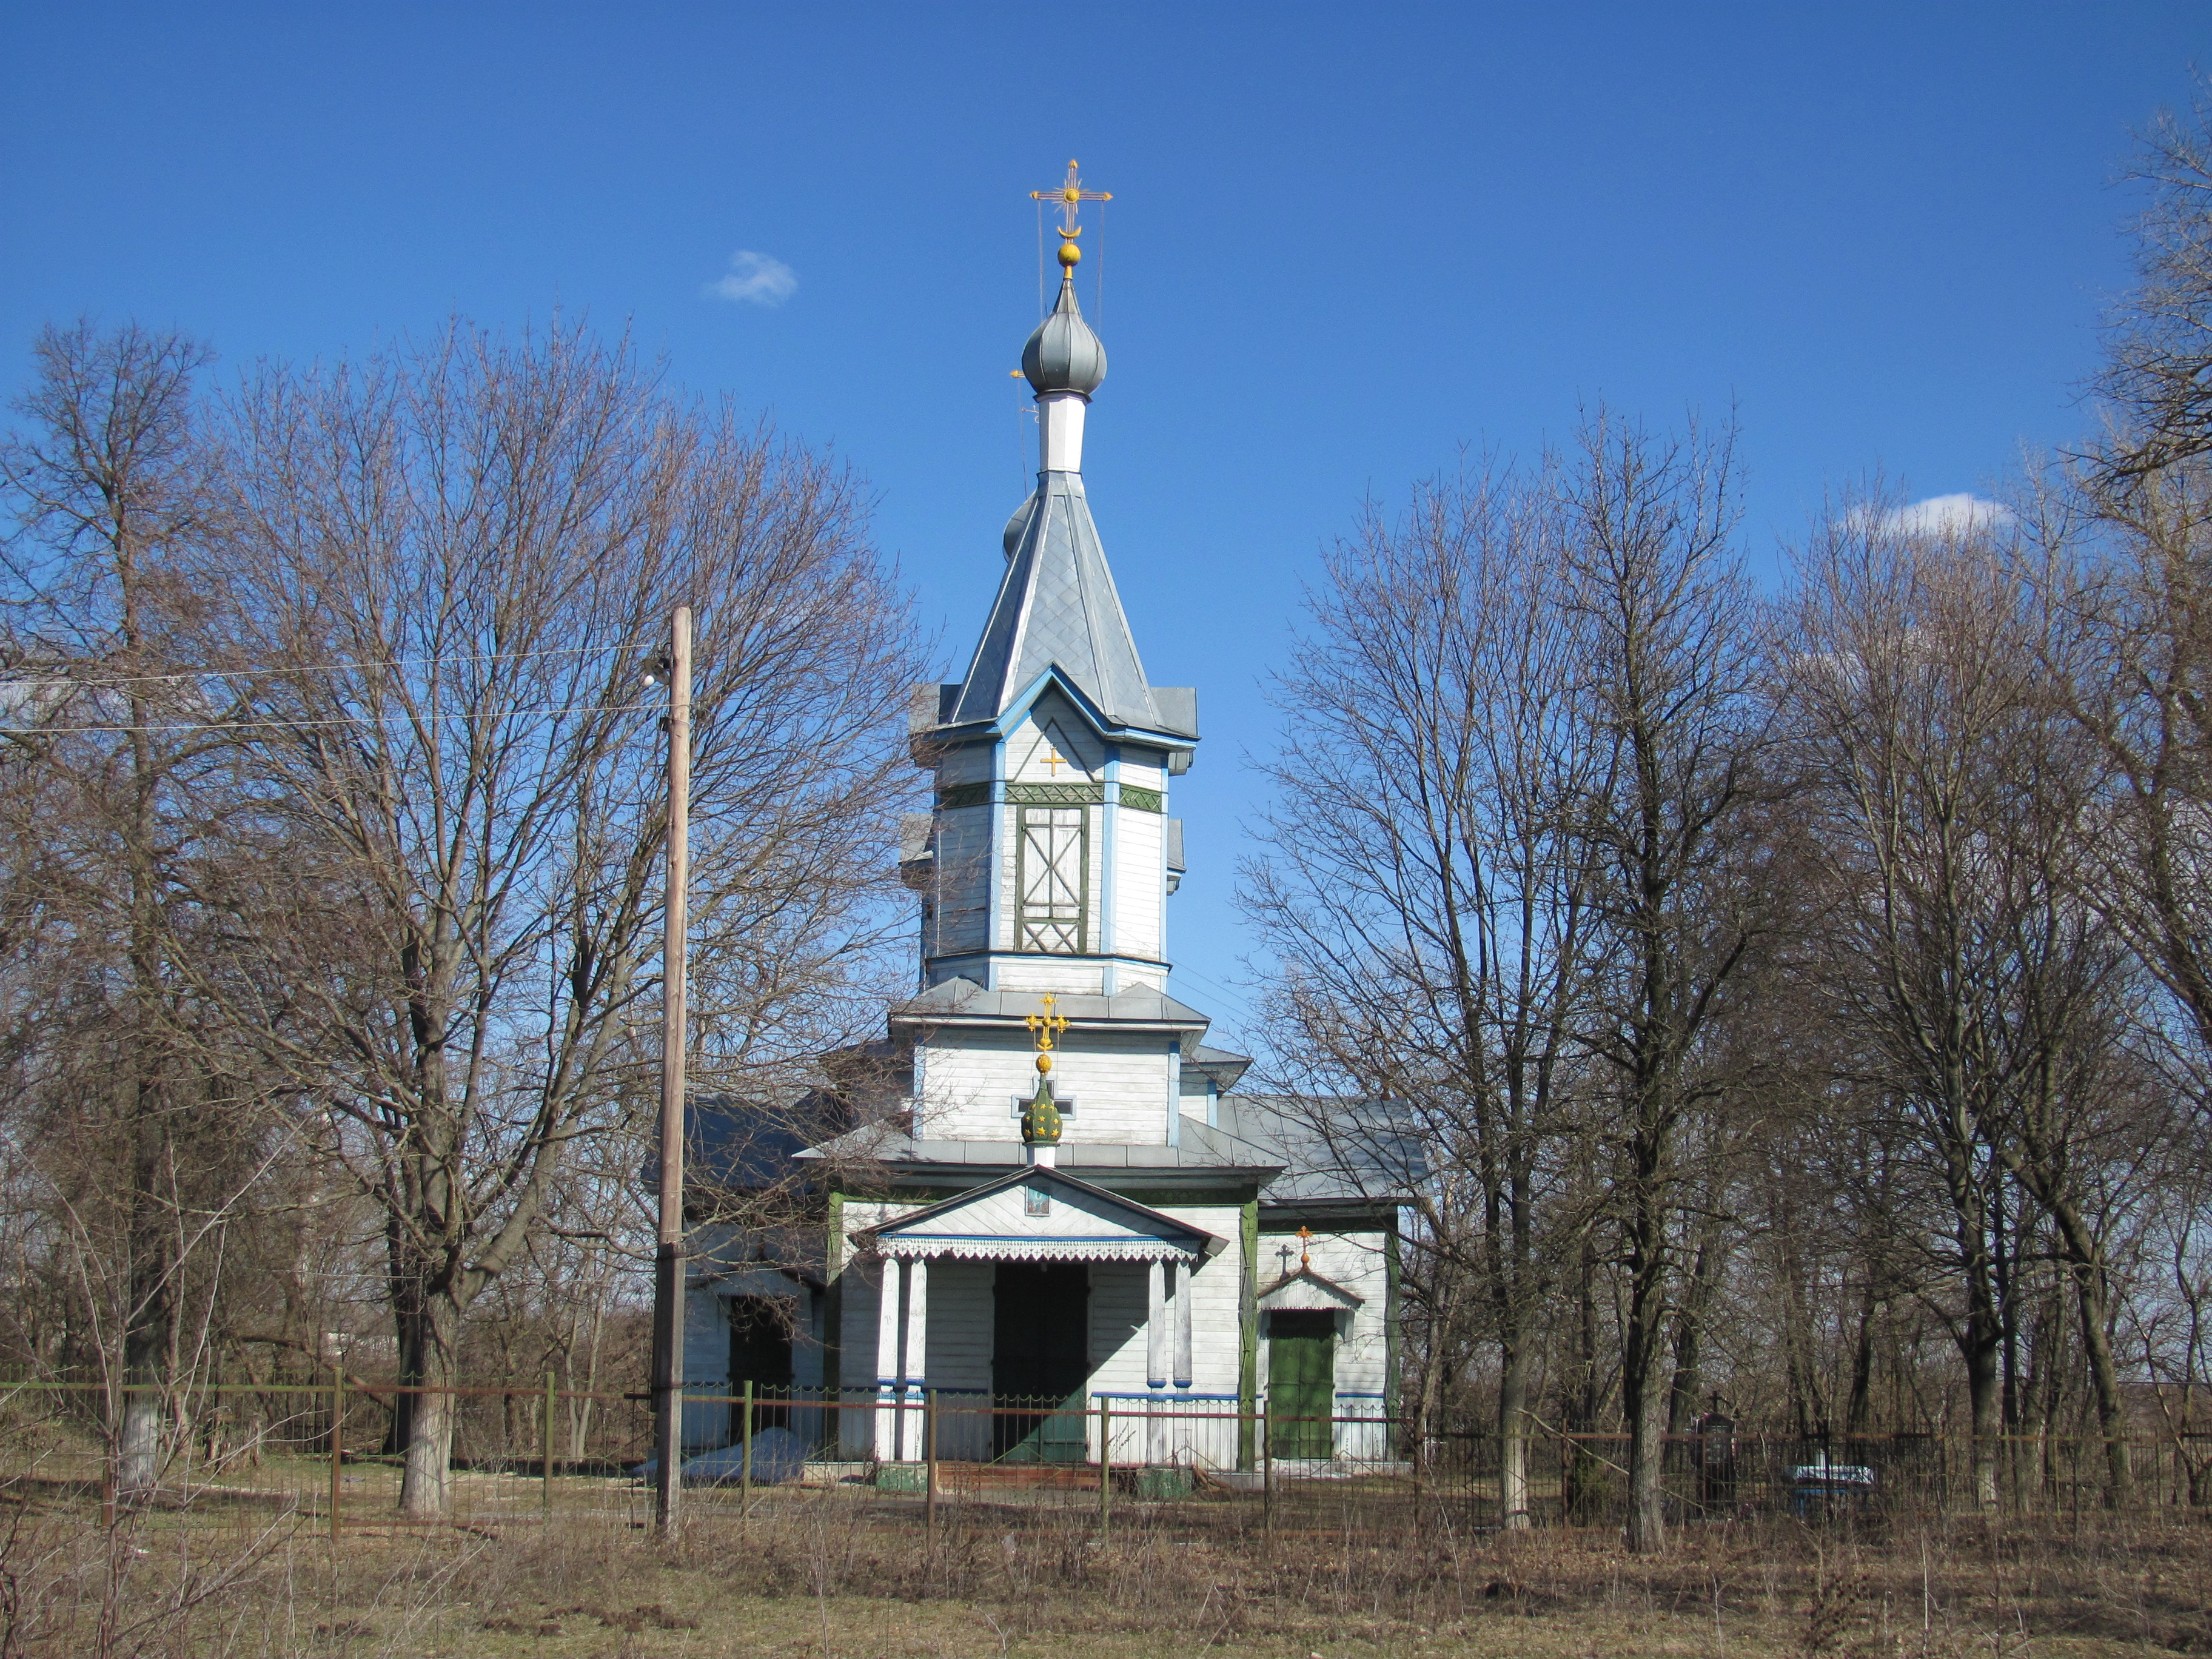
962 1247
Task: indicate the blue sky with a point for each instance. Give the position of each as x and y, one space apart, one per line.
1346 241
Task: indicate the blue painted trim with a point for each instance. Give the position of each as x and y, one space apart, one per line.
1110 814
1174 1091
1103 1394
1106 729
996 913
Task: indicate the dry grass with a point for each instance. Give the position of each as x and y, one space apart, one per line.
841 1574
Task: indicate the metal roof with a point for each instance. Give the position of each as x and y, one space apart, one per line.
961 1001
1057 607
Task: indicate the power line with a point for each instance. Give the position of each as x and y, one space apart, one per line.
338 667
340 719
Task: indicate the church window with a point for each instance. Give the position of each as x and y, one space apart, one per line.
1049 879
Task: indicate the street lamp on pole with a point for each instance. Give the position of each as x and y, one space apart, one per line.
668 1258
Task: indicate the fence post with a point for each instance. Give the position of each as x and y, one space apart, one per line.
545 1448
745 1472
1266 1473
337 1443
1105 1460
929 1464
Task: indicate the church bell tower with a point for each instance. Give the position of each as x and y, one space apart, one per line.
1047 861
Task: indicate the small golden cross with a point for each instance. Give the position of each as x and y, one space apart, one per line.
1046 1026
1052 759
1305 1238
1070 195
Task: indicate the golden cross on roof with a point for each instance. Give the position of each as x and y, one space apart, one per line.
1305 1238
1046 1026
1070 195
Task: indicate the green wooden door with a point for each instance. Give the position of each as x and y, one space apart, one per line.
1301 1384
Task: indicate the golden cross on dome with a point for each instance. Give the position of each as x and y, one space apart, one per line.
1070 195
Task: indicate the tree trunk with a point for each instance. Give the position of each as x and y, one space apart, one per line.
1643 1398
2090 1296
1513 1434
146 1321
145 1346
1858 1407
423 1482
1979 1338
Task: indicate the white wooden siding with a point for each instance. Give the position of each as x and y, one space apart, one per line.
1139 881
963 880
1119 1083
970 762
1057 974
1217 1289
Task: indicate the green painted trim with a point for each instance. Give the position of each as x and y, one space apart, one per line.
833 1303
1248 1335
1056 794
1129 1183
1391 1269
963 794
1138 799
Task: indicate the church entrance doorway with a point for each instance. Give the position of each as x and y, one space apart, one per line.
1041 1358
760 1354
1301 1384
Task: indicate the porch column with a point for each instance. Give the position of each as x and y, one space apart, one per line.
1155 1358
887 1361
917 1358
1156 1324
1182 1302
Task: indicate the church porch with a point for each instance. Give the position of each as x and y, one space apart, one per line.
1023 1306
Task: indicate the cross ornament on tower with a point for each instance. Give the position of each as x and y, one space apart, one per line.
1070 195
1040 1121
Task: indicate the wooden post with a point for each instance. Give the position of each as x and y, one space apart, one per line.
337 1443
1266 1473
1105 1461
668 1277
545 1448
929 1465
745 1467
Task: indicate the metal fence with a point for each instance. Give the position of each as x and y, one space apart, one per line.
525 1450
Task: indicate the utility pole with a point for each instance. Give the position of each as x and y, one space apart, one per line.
668 1262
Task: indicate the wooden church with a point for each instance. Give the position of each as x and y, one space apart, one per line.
1072 1210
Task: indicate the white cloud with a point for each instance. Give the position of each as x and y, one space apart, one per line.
755 279
1948 515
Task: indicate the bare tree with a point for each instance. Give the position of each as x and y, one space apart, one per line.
1668 670
106 485
1989 996
2158 370
1423 896
443 575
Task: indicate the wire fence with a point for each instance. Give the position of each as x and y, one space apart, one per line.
323 1451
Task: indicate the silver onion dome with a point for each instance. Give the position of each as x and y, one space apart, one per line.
1064 355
